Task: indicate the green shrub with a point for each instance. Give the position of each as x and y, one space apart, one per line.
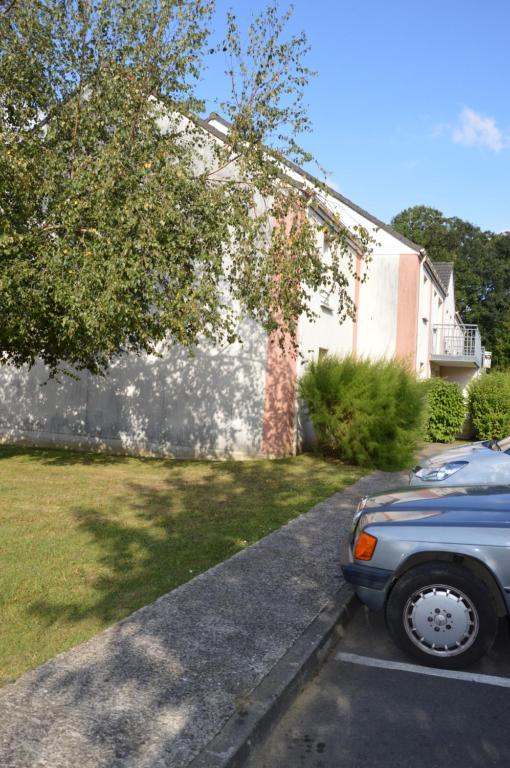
489 405
367 413
446 410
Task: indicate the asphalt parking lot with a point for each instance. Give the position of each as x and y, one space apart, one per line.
366 708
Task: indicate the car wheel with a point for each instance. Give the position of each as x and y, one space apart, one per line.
442 615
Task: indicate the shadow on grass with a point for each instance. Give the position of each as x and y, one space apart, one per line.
154 689
63 458
174 532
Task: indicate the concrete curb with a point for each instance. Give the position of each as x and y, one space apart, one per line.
257 713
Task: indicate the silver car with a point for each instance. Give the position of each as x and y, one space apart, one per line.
437 561
483 463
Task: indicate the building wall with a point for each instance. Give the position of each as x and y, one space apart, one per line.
461 376
280 398
437 315
379 301
210 404
449 304
383 327
378 308
325 332
407 308
424 330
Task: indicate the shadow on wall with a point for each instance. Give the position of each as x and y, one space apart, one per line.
208 404
306 438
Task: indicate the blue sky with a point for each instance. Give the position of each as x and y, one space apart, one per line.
411 102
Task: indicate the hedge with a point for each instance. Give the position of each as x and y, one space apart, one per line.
446 410
367 413
489 405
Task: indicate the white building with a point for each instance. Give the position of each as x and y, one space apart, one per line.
241 401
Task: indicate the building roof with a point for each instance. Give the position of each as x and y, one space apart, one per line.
444 270
215 117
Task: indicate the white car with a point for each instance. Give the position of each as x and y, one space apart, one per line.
482 463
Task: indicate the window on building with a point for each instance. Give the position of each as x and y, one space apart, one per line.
322 353
325 299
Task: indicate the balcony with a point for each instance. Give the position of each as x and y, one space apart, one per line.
457 345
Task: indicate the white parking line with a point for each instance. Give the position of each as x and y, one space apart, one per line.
470 677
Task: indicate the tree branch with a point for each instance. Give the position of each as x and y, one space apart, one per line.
85 24
222 168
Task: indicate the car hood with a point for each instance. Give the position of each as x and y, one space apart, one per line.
460 453
470 505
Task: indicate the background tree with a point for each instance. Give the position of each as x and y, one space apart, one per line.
482 270
494 308
122 221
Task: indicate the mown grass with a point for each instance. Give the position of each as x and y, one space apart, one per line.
86 539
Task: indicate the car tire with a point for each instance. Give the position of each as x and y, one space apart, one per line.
442 615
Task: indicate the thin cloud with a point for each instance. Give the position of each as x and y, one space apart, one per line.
440 129
476 130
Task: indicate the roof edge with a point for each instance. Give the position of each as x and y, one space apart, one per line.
341 198
333 192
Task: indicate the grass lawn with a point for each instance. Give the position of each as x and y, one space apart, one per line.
86 539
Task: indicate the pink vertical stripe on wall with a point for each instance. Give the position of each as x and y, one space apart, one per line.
407 308
279 421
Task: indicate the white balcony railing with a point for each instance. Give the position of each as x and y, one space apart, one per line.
457 341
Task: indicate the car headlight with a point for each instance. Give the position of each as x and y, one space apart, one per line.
442 472
359 511
357 516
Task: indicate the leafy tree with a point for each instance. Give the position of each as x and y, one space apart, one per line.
429 228
482 270
494 309
123 222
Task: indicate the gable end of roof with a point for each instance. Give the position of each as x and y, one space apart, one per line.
444 270
214 116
